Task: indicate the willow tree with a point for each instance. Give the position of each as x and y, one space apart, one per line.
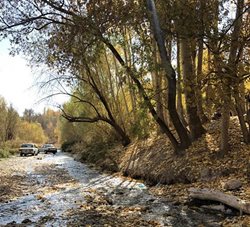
91 82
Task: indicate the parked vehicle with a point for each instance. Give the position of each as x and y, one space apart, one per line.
28 148
48 148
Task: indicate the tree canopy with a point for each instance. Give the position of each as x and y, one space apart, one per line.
140 66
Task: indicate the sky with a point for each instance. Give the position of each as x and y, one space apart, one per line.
17 83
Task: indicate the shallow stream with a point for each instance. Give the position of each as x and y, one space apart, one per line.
61 186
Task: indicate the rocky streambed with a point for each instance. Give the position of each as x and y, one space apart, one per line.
56 190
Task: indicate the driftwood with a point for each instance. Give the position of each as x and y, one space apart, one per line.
215 195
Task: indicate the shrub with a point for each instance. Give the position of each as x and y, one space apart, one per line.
67 146
12 144
4 153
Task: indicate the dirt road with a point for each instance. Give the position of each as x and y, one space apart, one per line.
56 190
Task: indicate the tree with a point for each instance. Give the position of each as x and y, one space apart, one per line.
93 30
11 122
78 32
31 132
9 119
171 77
29 115
3 115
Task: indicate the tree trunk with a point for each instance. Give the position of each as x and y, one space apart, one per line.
171 77
116 101
180 109
157 79
235 49
196 128
224 141
122 134
124 137
240 113
201 114
209 89
177 147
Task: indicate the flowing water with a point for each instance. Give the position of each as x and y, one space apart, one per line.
61 188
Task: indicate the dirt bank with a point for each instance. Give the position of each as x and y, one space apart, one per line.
153 160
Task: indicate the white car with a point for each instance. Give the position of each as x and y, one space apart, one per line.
28 148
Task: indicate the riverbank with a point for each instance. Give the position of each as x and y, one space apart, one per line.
171 176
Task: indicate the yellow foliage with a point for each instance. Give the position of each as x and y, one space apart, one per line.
31 132
247 84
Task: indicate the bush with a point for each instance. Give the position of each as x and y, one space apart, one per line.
13 151
12 144
67 146
11 147
4 153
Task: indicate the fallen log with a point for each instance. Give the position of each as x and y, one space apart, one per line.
215 195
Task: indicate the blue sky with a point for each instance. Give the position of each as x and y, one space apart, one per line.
17 83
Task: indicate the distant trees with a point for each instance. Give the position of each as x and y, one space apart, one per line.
31 131
9 120
31 127
12 121
3 115
29 115
45 124
134 65
49 121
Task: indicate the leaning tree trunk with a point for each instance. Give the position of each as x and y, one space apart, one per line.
125 140
177 147
157 79
121 132
170 75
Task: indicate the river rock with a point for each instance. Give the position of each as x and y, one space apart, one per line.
231 184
